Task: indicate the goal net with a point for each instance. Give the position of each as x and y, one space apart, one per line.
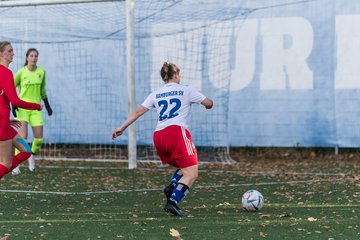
82 47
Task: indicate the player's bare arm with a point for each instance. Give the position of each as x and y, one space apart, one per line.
132 118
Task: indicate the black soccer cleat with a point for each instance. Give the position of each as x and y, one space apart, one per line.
170 208
168 190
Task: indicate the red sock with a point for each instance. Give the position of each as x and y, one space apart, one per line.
19 158
3 170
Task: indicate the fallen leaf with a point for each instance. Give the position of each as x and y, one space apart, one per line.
175 233
223 204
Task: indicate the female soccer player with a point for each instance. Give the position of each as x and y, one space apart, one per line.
172 139
30 81
9 138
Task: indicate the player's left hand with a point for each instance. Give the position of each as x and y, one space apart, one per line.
15 123
47 106
49 110
13 110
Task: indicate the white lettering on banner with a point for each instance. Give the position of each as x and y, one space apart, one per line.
281 47
284 63
274 49
243 51
347 75
286 44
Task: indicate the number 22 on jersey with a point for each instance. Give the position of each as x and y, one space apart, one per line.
173 104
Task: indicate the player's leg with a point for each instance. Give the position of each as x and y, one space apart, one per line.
6 153
36 145
165 157
37 123
168 190
190 174
22 131
24 148
185 158
38 139
182 188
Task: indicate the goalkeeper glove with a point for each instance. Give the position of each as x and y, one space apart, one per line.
13 109
47 106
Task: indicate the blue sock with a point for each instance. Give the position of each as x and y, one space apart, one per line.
176 177
180 191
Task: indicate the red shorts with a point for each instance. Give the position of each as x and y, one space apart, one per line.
175 147
7 132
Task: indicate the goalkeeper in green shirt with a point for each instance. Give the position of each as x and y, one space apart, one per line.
30 82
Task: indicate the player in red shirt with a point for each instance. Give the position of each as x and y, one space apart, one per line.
9 138
172 139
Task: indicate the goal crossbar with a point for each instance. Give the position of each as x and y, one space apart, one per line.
27 3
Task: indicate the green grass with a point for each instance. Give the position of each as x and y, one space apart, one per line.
304 199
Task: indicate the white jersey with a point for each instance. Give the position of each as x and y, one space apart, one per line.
172 102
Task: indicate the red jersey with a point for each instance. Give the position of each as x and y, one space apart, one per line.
8 94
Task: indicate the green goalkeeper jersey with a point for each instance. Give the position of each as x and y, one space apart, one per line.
31 84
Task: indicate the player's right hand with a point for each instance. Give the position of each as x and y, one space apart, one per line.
117 133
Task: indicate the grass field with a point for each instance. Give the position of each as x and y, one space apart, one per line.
304 199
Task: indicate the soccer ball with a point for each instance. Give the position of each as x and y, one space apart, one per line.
252 201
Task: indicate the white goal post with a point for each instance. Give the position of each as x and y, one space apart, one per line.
130 69
130 56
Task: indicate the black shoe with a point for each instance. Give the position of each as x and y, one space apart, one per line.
170 208
168 190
